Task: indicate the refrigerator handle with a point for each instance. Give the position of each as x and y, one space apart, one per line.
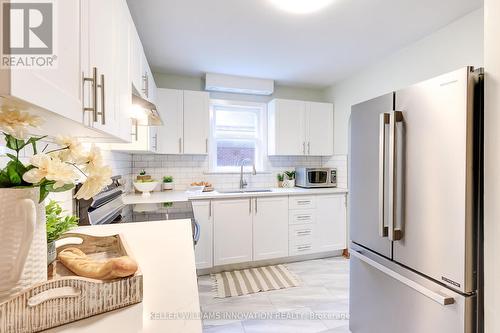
395 117
435 296
382 228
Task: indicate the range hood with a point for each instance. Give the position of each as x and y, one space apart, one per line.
147 113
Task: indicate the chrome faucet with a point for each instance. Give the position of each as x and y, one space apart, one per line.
243 182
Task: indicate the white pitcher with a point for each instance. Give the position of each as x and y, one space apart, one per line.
23 240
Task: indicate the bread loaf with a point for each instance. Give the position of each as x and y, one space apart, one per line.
80 264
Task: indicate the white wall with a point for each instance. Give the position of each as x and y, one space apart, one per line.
458 44
492 163
198 83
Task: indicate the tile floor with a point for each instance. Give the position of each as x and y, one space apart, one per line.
324 293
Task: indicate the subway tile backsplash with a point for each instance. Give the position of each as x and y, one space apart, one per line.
186 169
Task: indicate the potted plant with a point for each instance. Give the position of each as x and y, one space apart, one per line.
24 187
280 177
143 176
57 224
168 183
289 180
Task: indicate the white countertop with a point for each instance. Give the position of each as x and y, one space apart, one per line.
164 251
175 196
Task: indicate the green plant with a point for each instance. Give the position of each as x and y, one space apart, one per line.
280 177
290 174
56 223
168 179
142 173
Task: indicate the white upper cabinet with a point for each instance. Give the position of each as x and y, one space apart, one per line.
320 129
299 128
185 115
287 127
136 59
170 106
56 90
270 228
196 122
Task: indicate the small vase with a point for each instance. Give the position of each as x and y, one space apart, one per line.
51 252
289 183
168 186
280 183
23 241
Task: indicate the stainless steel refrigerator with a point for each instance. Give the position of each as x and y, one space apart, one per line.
415 208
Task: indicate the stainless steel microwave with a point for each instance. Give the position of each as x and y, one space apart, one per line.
315 177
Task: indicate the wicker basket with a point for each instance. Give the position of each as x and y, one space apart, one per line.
65 298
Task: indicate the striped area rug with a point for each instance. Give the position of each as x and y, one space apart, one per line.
253 280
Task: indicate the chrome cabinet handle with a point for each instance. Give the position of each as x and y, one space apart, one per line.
436 297
309 148
303 217
303 248
206 145
304 147
93 107
210 208
180 145
255 205
250 206
303 202
395 117
103 101
303 233
382 229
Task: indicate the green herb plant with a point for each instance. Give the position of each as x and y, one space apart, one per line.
290 174
57 224
280 177
168 179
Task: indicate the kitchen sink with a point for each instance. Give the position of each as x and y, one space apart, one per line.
258 190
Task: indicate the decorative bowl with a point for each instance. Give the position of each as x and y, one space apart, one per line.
145 187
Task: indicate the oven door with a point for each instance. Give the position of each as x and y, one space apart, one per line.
317 178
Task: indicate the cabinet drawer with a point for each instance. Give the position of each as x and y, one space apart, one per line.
302 202
303 248
299 233
301 216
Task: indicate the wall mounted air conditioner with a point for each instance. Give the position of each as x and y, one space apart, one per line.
238 84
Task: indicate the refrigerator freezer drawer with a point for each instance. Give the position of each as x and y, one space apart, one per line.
385 297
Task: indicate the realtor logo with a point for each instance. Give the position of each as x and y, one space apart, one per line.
28 34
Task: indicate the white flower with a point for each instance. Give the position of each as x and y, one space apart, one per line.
16 123
94 161
73 152
50 168
94 183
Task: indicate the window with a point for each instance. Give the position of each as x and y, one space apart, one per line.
236 135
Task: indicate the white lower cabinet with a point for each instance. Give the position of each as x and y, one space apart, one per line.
204 248
270 228
252 229
232 231
330 233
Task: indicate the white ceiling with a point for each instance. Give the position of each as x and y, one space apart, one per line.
254 38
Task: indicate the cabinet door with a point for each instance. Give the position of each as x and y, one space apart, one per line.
287 127
232 231
196 122
136 59
123 93
330 231
170 104
56 89
100 21
319 129
204 248
270 228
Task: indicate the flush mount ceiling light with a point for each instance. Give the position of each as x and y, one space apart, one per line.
301 6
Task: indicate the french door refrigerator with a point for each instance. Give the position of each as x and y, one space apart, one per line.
415 208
